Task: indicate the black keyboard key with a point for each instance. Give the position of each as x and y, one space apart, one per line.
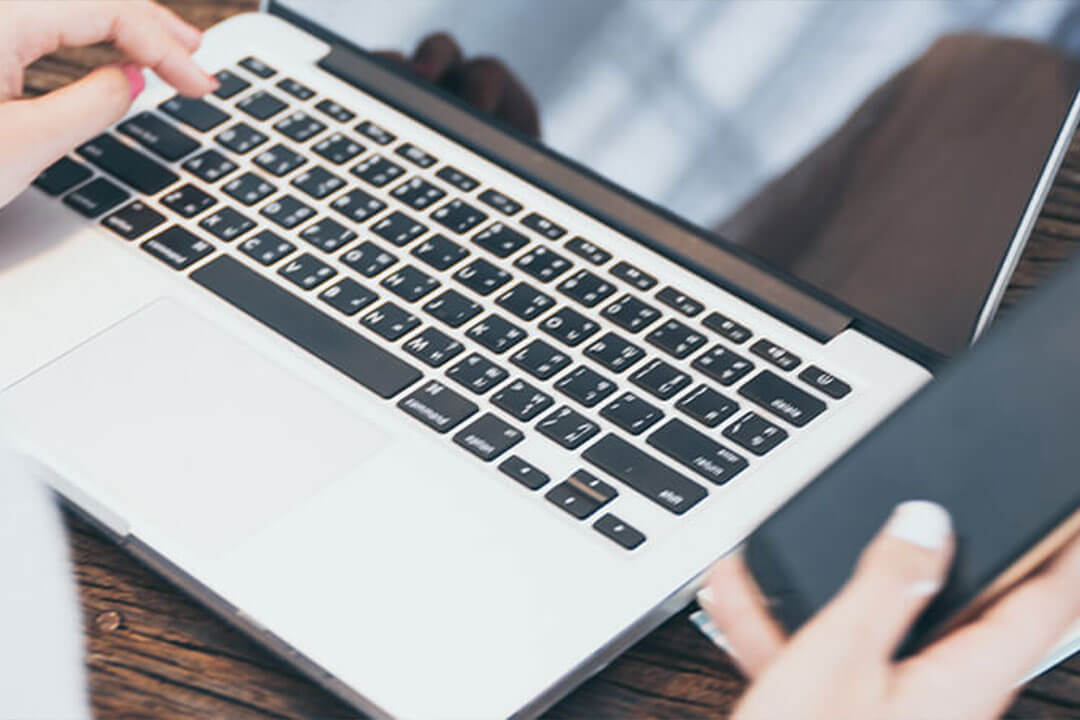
631 413
676 339
226 224
452 308
348 296
415 155
628 273
209 166
482 277
525 301
62 175
261 105
249 188
568 428
539 223
496 334
433 347
459 216
500 240
707 406
306 271
775 354
96 197
569 326
337 148
526 474
585 385
299 126
357 205
581 494
327 234
398 228
585 249
615 529
376 133
543 264
177 247
257 67
287 211
755 433
133 220
296 89
390 321
368 259
644 474
723 366
631 314
130 166
587 288
241 138
158 136
332 109
187 200
266 247
488 437
437 406
418 193
540 359
614 352
661 379
440 252
279 160
781 398
674 299
495 199
522 400
199 114
318 182
825 382
409 283
229 84
727 327
477 373
708 458
458 179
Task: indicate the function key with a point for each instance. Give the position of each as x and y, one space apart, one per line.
390 321
723 366
376 133
287 211
540 359
348 296
488 437
261 105
522 400
581 494
500 202
398 228
585 249
440 252
727 327
279 160
775 354
674 299
187 200
229 83
482 277
496 334
585 385
327 234
676 339
458 179
539 223
61 176
337 148
628 273
266 247
410 284
226 224
459 216
197 113
296 89
707 406
645 474
661 379
568 428
569 326
526 474
299 127
755 433
433 347
437 406
418 193
452 308
368 259
543 264
331 109
209 166
615 529
357 205
782 399
827 383
241 138
525 301
415 155
257 67
631 314
377 170
95 197
706 457
614 353
158 136
587 288
177 247
307 271
318 182
248 188
500 240
133 220
477 373
631 413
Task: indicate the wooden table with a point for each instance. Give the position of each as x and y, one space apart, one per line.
152 652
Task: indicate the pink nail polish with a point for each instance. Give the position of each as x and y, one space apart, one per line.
136 81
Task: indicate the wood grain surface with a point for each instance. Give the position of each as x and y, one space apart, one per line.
154 653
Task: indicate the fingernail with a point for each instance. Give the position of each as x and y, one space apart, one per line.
924 588
705 596
214 82
136 81
920 522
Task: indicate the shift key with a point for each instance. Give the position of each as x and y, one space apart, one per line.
648 476
131 166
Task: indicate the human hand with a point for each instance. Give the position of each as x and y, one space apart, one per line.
840 665
484 82
35 132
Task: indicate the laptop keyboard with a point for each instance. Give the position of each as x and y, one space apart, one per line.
350 240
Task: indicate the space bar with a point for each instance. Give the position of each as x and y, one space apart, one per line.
281 311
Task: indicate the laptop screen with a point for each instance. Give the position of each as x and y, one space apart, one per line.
882 152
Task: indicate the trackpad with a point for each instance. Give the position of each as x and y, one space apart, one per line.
176 425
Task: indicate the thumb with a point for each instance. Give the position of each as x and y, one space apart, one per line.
34 133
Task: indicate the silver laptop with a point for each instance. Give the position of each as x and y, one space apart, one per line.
442 418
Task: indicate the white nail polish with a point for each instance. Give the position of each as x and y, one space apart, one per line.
705 596
920 522
924 588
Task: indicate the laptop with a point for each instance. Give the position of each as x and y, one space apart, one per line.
437 415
